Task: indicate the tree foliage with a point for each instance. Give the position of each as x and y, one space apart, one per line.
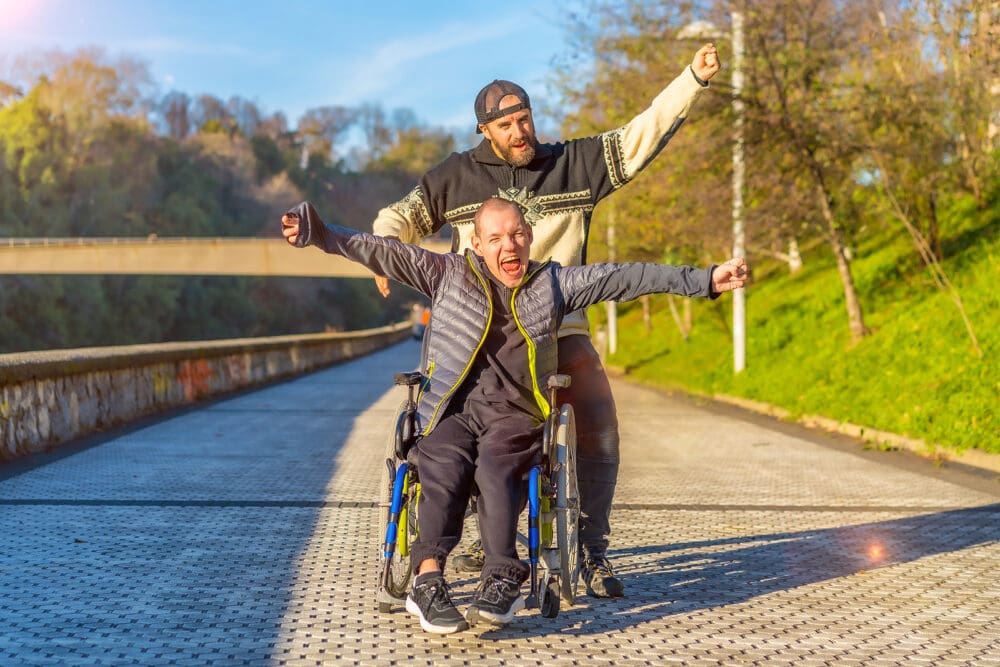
85 152
855 115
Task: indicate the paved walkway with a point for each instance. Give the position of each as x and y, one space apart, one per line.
244 533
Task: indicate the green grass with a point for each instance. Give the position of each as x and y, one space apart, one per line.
916 374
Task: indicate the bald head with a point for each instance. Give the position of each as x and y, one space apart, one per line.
495 205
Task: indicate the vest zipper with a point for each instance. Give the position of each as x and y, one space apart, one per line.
532 354
489 319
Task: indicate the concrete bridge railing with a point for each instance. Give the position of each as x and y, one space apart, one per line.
52 397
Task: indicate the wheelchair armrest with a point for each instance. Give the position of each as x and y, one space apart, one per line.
559 381
408 379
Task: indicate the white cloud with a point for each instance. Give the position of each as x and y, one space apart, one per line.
379 72
166 45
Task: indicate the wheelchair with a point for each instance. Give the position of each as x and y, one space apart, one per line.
553 507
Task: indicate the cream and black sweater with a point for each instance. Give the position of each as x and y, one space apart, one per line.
557 190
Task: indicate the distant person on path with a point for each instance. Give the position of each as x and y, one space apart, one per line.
488 350
557 186
416 326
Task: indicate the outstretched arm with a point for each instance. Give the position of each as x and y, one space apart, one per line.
584 286
408 264
408 220
706 62
620 154
729 275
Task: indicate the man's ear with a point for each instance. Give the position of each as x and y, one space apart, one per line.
477 245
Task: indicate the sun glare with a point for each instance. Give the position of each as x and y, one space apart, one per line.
13 13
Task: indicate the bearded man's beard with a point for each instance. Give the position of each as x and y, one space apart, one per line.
520 158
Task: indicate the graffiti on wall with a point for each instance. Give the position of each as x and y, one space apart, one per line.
194 376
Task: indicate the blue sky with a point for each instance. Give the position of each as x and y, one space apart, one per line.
293 55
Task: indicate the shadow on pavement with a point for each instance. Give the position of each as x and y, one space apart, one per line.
680 578
179 543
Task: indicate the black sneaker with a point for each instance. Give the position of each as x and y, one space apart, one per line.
600 579
497 600
429 601
472 561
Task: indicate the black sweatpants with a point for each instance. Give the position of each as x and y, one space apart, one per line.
597 442
494 449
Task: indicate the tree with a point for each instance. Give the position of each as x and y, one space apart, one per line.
9 92
414 151
210 115
800 95
917 153
175 109
675 203
320 130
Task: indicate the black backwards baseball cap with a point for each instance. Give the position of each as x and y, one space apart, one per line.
488 101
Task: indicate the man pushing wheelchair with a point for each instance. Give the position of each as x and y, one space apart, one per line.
487 355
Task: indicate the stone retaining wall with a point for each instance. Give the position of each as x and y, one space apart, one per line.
49 398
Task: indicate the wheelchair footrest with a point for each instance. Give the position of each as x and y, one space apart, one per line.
384 596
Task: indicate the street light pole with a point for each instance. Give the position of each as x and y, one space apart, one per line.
701 29
739 249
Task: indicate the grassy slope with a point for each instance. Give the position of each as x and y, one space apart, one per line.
915 375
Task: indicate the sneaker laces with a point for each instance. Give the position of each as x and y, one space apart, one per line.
496 588
600 565
439 591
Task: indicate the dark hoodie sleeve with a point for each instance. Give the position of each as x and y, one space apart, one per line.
584 286
407 264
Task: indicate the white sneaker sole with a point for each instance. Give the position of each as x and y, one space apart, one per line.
412 607
497 619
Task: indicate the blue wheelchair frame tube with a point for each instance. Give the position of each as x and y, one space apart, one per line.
534 507
395 508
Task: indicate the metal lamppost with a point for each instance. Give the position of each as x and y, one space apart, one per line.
701 29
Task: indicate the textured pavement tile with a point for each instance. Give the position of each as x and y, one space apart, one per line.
243 533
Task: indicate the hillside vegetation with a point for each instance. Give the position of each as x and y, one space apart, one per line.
866 145
915 374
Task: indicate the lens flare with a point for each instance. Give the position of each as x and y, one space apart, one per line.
13 13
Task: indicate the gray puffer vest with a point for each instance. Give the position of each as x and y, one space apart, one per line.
462 307
463 311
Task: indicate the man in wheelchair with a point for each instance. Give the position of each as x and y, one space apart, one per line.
488 350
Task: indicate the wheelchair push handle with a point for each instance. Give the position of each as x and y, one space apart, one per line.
408 379
557 381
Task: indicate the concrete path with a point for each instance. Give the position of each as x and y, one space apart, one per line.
244 533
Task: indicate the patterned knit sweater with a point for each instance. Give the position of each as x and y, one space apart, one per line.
557 190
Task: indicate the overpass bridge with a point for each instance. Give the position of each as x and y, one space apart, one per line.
242 532
176 256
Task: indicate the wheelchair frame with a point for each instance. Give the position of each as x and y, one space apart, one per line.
553 507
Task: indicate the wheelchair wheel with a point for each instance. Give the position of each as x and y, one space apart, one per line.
550 598
567 505
395 588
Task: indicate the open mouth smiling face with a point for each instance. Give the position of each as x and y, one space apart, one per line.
513 268
503 240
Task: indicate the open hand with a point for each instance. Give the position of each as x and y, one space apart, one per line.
706 62
382 283
729 275
290 227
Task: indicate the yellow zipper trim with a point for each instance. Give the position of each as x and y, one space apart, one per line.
425 384
472 357
532 354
